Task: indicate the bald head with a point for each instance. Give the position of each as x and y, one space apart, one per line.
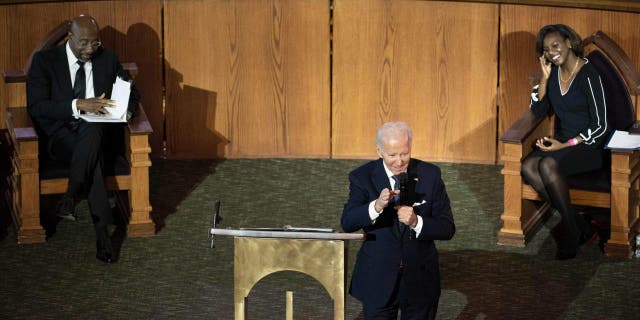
82 22
84 38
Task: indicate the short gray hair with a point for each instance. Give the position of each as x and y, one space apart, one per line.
393 129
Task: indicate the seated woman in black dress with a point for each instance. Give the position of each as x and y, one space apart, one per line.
573 89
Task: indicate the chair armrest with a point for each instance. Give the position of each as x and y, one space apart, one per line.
19 122
522 128
140 124
20 125
131 68
14 76
519 140
634 129
137 140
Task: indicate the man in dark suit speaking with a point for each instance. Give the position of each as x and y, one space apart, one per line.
63 83
402 206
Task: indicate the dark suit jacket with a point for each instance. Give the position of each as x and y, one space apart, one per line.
387 243
49 91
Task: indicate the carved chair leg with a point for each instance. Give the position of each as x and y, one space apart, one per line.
619 244
140 223
624 204
26 207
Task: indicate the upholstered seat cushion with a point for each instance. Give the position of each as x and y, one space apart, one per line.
598 181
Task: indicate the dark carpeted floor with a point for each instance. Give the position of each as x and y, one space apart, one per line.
175 275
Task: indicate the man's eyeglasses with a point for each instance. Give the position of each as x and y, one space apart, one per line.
86 43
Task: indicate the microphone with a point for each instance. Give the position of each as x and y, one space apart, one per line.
404 195
403 200
216 219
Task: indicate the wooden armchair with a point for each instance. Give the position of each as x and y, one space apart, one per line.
34 175
616 187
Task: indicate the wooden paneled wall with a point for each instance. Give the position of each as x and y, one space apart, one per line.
247 78
429 63
259 78
132 28
519 25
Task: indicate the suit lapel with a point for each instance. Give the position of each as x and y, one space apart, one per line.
380 179
99 87
62 68
412 178
411 189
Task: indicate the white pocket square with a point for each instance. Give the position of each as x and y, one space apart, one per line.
419 203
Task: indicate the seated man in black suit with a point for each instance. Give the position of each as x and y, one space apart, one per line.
402 205
64 82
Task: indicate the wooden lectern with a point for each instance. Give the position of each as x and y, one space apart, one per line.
318 254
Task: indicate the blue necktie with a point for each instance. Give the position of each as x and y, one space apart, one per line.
396 186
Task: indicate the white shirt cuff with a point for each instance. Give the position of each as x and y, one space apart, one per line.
373 214
74 108
418 227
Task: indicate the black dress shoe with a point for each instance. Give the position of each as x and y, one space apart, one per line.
104 250
66 208
566 254
105 257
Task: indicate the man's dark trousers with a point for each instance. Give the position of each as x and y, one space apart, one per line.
81 147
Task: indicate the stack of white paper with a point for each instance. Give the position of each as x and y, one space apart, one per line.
118 113
624 140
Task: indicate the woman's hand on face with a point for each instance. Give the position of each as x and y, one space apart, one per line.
549 144
545 65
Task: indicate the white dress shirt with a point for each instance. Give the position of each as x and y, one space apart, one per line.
88 70
373 214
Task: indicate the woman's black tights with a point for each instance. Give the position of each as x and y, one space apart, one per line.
543 174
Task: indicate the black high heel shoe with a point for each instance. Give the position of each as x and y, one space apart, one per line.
568 249
589 237
565 254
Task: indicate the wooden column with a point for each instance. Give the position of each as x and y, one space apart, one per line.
521 217
25 180
624 203
138 150
511 232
